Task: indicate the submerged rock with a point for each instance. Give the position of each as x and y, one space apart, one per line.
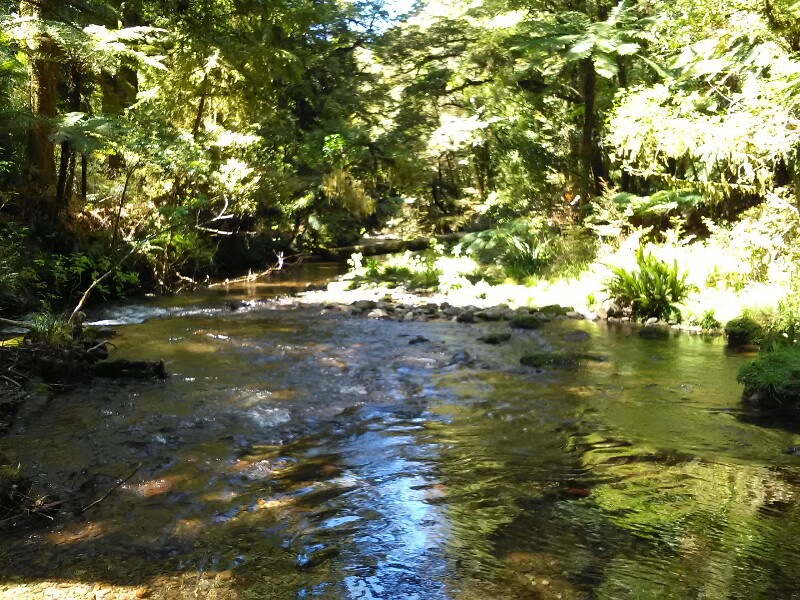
542 358
131 369
576 336
316 557
495 338
525 322
654 333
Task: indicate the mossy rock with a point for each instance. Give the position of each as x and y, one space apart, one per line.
495 338
772 381
525 322
541 358
742 331
555 309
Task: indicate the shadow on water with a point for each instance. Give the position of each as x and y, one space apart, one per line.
295 454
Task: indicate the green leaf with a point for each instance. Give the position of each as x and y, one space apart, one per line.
581 50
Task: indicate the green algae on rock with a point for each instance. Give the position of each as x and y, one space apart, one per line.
772 381
541 358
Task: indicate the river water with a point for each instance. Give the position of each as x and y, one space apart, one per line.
304 453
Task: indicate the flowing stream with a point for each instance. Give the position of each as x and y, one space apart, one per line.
304 453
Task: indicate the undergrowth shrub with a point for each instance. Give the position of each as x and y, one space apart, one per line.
16 275
523 250
743 330
654 290
413 270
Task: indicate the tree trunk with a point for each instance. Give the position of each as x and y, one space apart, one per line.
74 94
622 75
84 177
63 175
70 179
594 168
43 94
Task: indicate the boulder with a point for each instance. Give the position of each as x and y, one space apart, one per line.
365 304
490 314
466 317
555 309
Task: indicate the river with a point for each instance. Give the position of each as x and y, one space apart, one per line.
305 453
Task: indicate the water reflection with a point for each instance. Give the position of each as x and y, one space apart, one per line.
301 454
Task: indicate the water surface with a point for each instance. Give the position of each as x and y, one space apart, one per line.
304 453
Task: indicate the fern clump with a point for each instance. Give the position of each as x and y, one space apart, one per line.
654 290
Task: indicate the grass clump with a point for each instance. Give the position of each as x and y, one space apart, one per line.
772 381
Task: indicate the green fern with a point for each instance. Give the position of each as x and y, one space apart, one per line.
654 290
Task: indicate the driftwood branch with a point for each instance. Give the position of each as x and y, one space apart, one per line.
98 281
377 247
256 276
11 381
108 493
11 323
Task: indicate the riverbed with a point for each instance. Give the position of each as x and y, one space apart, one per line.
299 452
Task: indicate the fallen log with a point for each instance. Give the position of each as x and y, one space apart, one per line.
12 323
377 247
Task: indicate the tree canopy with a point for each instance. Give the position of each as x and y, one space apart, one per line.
218 132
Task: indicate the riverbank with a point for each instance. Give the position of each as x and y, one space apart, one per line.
478 303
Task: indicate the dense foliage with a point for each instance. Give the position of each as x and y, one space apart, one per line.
212 137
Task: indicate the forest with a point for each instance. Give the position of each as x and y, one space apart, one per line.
447 299
201 140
